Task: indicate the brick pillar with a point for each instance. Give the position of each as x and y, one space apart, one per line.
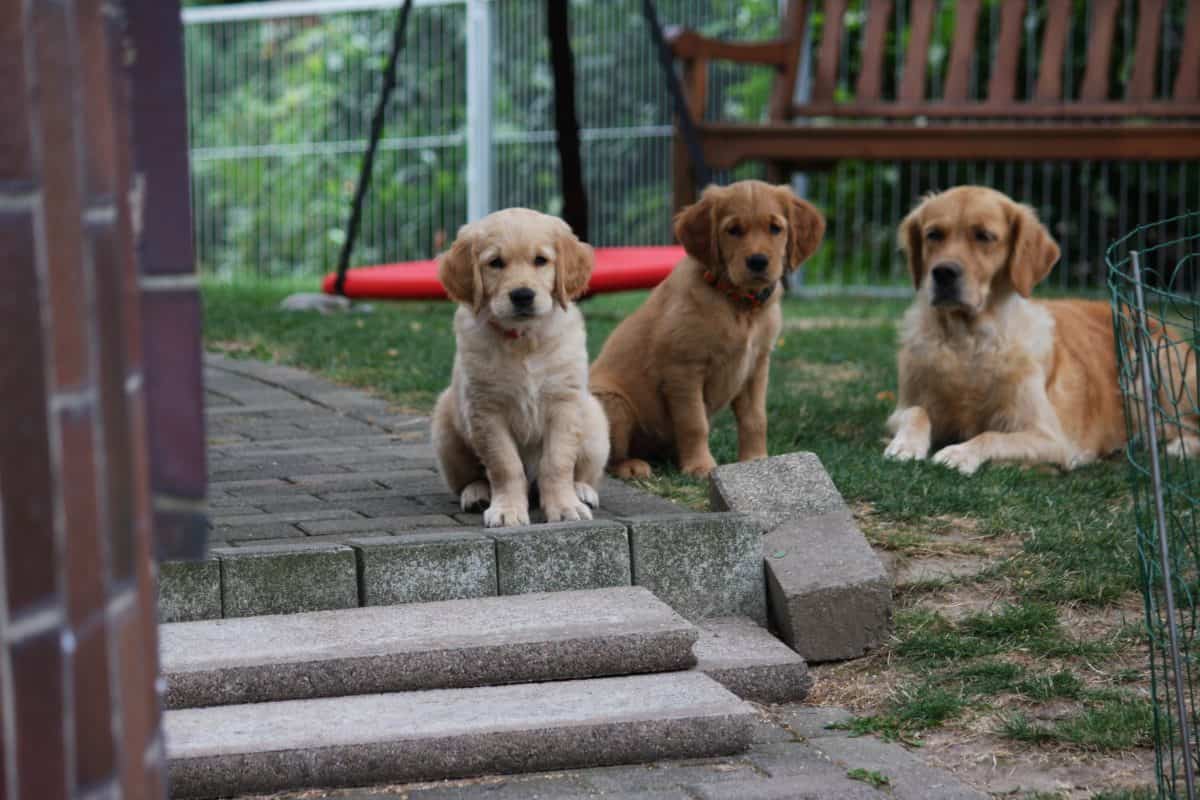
79 712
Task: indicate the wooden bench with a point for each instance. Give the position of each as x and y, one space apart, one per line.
1141 120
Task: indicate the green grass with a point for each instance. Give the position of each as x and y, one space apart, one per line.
874 778
830 393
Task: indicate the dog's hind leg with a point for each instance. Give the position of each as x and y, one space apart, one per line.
458 464
622 423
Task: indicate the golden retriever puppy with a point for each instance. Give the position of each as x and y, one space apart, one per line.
518 407
985 373
703 339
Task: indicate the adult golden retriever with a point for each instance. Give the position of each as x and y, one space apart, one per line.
703 338
518 407
986 374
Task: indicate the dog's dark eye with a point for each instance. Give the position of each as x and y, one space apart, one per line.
737 230
540 261
776 229
496 263
984 236
934 235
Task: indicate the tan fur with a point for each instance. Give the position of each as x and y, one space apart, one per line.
997 377
518 408
690 350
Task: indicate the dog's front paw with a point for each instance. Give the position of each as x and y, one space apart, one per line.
569 509
505 515
631 468
907 448
962 457
587 494
476 497
699 467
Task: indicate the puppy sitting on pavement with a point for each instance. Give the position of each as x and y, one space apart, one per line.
518 408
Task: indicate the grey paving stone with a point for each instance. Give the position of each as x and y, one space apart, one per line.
910 778
454 644
394 506
813 722
830 595
189 590
298 502
748 661
776 489
617 781
819 786
624 500
407 736
256 533
285 579
301 537
425 567
267 487
286 517
555 786
703 565
562 556
405 523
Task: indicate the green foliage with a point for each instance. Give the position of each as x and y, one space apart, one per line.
876 779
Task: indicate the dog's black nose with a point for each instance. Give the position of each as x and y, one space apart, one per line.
946 275
521 298
757 262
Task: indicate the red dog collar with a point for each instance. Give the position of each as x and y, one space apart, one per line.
751 299
507 333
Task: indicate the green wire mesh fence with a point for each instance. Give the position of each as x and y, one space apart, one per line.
1154 280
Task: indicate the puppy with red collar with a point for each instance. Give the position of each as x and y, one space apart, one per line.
518 408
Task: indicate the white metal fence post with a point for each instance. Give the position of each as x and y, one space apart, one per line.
479 109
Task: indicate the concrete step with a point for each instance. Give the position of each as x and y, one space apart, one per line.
450 644
748 661
452 733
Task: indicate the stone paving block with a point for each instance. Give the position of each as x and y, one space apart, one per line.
440 501
624 500
303 538
822 784
425 567
748 661
619 780
267 487
830 595
299 502
394 506
455 644
562 556
285 517
285 579
554 786
702 565
189 590
406 523
909 777
776 489
407 736
335 482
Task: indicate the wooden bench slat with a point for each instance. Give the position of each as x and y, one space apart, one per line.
986 112
831 47
1002 84
966 23
794 23
1099 49
1054 43
1187 80
1145 53
912 87
874 45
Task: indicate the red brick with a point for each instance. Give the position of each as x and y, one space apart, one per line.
85 529
100 155
95 755
25 477
57 90
16 156
37 670
174 392
139 719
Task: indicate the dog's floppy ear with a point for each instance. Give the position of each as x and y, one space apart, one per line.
459 273
806 229
573 268
909 238
694 229
1034 252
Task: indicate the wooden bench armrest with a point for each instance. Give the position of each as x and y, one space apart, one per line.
687 45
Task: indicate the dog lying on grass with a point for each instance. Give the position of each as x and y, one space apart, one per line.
703 339
518 407
986 374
